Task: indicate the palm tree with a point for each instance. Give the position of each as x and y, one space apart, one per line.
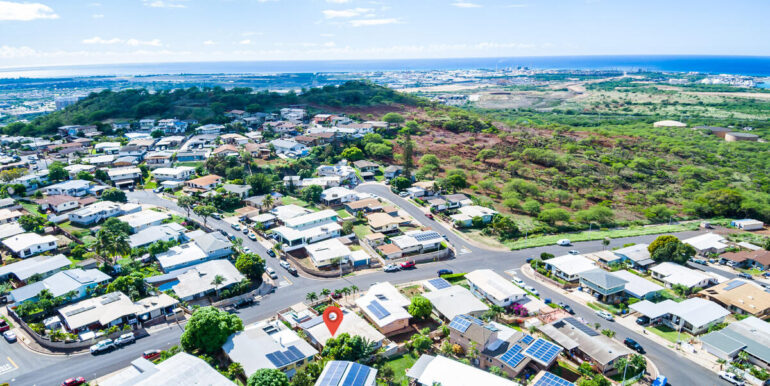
639 363
354 288
112 244
268 201
311 297
70 295
325 292
218 280
346 291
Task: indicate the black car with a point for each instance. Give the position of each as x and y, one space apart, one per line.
566 307
442 272
529 260
642 320
292 271
630 343
271 253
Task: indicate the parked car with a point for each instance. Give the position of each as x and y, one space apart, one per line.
661 380
245 229
151 354
284 264
292 271
605 315
633 345
159 189
563 243
271 273
236 226
745 276
246 250
730 377
336 295
574 252
566 307
699 261
391 268
77 381
532 289
441 272
518 282
271 252
102 346
407 265
429 215
252 237
217 216
9 336
404 194
642 320
4 326
126 338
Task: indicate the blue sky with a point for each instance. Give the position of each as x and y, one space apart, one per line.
57 32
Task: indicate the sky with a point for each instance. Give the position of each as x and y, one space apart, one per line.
73 32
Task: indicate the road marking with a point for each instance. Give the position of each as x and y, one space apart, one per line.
285 282
8 367
12 362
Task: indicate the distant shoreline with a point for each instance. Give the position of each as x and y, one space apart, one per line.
758 66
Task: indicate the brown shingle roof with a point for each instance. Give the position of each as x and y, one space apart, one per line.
388 249
761 256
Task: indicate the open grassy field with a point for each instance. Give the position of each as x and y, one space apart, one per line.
539 241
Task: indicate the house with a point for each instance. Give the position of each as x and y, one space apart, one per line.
257 150
317 332
344 373
327 253
487 284
214 244
467 213
313 219
672 274
735 136
8 216
415 191
437 204
211 129
112 309
241 191
180 369
95 213
170 142
171 126
77 282
432 370
383 222
58 204
603 285
605 259
450 301
366 166
29 244
585 343
750 335
392 172
693 315
33 180
234 139
367 205
182 256
390 251
293 114
164 232
10 229
268 344
289 148
741 297
125 176
418 241
100 160
748 224
73 170
179 173
74 188
337 196
107 147
569 267
192 155
197 281
205 183
385 307
759 259
136 152
146 124
226 151
142 220
707 243
638 255
638 287
457 200
286 212
38 266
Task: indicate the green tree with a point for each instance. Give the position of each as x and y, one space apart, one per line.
393 118
400 183
431 160
268 377
660 241
186 203
311 193
56 172
132 285
420 307
659 212
352 154
348 348
157 134
31 222
420 343
676 252
208 329
112 244
260 183
101 175
408 152
251 265
84 175
114 195
204 211
552 216
531 206
115 225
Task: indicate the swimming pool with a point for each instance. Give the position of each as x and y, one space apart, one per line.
167 286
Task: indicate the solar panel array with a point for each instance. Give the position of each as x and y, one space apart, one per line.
462 322
377 309
543 350
734 284
334 373
425 236
513 356
582 327
282 358
551 379
357 375
439 283
527 339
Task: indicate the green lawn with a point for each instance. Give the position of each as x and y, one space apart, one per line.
288 200
343 213
539 241
30 207
10 324
193 164
601 306
361 230
667 333
400 365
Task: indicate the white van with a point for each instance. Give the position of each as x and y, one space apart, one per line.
563 243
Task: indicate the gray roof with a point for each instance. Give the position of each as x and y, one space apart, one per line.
752 332
61 283
722 342
237 188
602 278
601 348
637 286
454 301
211 242
152 234
637 253
181 369
252 346
43 265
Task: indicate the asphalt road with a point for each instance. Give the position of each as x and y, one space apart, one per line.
36 369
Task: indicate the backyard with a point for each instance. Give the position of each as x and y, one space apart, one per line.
668 333
400 365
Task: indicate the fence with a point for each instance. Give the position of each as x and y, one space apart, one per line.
554 282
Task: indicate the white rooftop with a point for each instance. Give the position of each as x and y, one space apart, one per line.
351 324
180 255
493 284
571 264
636 285
455 300
389 299
706 241
324 251
447 372
23 241
199 277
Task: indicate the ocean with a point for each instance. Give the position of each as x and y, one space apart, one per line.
737 65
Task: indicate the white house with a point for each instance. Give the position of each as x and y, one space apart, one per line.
197 281
124 176
142 220
467 213
707 243
294 239
179 173
338 195
95 212
495 288
671 274
289 148
29 244
569 267
311 219
386 307
693 315
209 129
74 188
328 252
181 256
418 241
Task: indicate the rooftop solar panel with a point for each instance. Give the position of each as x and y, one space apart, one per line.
527 339
734 284
282 358
356 376
439 283
462 322
334 373
543 351
424 236
377 309
582 327
513 356
550 379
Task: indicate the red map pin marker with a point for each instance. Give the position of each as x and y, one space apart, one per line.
332 318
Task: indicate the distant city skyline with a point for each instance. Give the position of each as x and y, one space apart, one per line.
58 32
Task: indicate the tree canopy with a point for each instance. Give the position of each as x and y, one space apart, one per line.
208 329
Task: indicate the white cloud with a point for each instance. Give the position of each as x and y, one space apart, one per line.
129 42
209 43
327 35
97 16
245 42
164 4
370 22
25 11
345 13
338 1
463 4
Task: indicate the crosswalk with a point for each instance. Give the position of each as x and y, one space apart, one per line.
6 368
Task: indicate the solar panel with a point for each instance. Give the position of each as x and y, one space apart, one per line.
543 351
551 379
513 356
294 354
462 322
282 358
424 236
334 373
734 284
582 327
527 339
439 283
356 376
377 309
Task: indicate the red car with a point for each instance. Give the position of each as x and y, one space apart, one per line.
4 326
150 355
74 381
407 264
430 216
336 295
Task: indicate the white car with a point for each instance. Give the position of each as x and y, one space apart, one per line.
605 315
391 268
532 289
271 273
102 346
732 378
574 252
404 194
246 250
252 237
125 339
563 243
9 336
518 282
285 264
